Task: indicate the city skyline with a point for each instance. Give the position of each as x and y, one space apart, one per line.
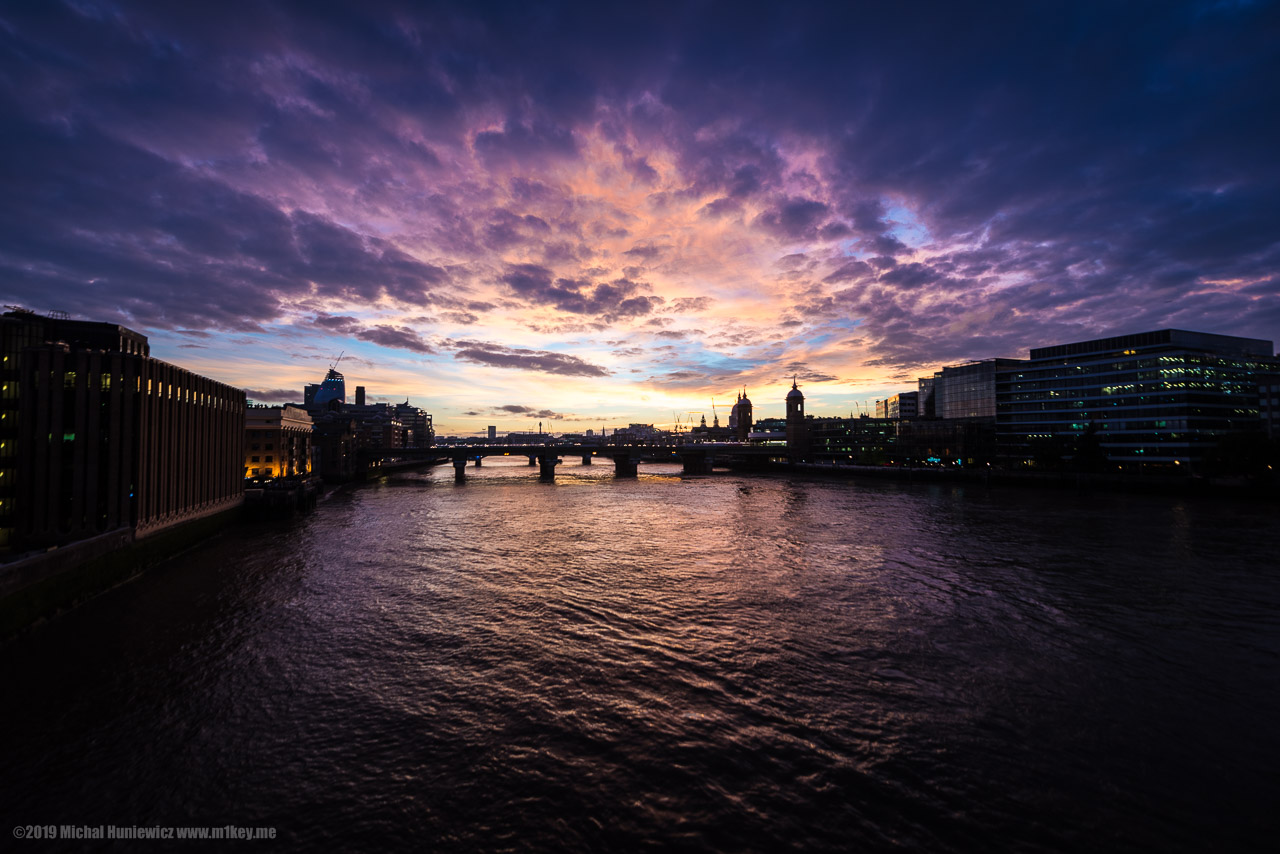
621 213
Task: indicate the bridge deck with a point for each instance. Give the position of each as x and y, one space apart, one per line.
450 452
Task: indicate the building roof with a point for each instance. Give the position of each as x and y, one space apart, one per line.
1225 344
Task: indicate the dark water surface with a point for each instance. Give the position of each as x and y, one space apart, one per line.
705 663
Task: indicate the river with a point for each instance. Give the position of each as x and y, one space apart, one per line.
703 663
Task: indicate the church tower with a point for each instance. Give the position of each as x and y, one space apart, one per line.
797 430
742 427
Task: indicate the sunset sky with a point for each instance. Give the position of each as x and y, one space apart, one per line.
604 213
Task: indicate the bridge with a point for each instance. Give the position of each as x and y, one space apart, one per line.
695 458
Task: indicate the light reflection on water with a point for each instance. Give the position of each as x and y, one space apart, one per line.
714 663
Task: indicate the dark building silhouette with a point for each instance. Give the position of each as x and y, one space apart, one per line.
375 426
711 432
947 442
926 402
797 430
97 436
334 443
1157 399
1269 404
419 429
740 418
856 440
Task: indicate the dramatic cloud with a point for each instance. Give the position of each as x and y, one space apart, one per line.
611 301
383 334
868 192
498 356
795 218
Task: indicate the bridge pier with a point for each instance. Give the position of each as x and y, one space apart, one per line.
696 463
478 458
460 470
533 459
624 467
547 467
586 459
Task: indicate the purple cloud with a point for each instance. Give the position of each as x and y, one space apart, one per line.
541 361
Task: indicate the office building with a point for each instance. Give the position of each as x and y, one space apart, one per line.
902 405
331 393
926 403
956 442
1269 404
419 429
1151 400
97 436
965 391
860 440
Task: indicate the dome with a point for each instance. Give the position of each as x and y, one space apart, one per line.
795 393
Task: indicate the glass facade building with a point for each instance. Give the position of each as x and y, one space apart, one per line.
902 405
1158 398
334 388
969 391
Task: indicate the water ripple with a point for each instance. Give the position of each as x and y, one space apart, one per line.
706 664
